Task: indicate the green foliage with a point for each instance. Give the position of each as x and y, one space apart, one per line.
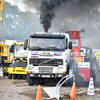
19 25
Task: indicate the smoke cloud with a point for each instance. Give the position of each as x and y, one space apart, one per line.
48 12
68 15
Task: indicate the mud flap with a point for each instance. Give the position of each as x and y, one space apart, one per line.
82 74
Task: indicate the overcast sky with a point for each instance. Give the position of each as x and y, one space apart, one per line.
20 5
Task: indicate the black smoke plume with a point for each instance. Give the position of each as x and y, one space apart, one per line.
46 8
48 12
68 15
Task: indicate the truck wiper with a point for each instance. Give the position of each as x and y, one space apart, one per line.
36 48
52 48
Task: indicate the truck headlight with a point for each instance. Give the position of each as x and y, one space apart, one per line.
60 69
30 68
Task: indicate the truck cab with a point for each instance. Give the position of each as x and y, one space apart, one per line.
17 69
76 41
48 56
86 52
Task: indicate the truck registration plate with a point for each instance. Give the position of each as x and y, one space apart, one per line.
45 75
31 74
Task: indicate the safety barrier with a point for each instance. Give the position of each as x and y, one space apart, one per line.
54 92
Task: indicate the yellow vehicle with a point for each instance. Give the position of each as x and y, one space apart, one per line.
4 49
97 54
18 68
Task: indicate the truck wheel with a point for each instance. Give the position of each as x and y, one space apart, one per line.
14 76
24 77
30 82
19 76
9 76
65 84
27 77
93 71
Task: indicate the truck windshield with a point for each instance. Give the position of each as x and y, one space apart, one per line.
50 44
19 51
83 53
75 42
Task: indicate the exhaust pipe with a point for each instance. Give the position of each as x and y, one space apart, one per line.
46 29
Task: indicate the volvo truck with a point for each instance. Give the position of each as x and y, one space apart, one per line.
48 56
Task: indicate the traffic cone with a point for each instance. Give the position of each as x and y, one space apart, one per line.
91 87
73 92
39 94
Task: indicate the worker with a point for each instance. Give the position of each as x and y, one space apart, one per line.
60 45
41 42
1 62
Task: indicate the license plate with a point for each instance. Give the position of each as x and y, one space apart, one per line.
31 74
45 75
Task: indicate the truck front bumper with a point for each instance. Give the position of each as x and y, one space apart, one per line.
46 75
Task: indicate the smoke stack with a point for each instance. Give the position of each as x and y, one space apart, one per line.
45 29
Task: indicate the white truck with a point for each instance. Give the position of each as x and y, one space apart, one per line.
48 56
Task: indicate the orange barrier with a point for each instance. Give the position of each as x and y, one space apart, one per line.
39 94
73 92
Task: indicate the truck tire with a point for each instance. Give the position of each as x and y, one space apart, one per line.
9 76
71 71
93 70
19 76
14 76
30 82
27 77
24 77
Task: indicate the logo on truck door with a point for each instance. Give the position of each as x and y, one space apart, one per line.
57 53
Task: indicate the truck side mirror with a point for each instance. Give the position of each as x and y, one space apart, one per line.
81 51
70 45
12 48
25 44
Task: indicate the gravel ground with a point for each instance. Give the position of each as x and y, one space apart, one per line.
19 90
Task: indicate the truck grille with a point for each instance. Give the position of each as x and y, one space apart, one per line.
45 62
45 69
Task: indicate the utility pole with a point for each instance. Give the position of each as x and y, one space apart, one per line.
2 3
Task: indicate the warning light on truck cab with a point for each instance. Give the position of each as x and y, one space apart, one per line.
73 34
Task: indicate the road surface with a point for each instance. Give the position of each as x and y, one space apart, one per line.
11 89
